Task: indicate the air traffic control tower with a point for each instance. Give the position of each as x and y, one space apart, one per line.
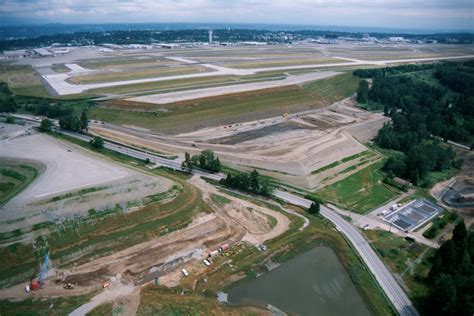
210 37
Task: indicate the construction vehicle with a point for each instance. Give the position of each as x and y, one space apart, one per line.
38 283
68 286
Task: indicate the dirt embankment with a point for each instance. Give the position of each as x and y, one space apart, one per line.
162 256
320 138
260 223
462 183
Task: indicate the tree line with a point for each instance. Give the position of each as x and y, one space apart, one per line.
458 77
206 160
252 182
419 111
131 35
389 71
451 277
70 118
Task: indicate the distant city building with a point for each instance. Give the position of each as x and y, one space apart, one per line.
112 46
168 46
324 41
139 46
60 51
253 43
396 39
43 52
13 54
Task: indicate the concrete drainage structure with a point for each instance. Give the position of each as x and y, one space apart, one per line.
413 215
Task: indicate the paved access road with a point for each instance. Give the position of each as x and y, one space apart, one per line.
387 282
384 277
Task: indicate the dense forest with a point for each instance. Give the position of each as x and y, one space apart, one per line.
426 103
451 277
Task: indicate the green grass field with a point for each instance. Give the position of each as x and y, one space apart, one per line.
228 109
166 85
282 62
22 80
186 84
361 191
337 163
104 309
43 306
401 257
126 62
60 68
137 74
219 199
440 223
15 177
157 300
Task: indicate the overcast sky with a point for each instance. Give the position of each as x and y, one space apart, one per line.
410 14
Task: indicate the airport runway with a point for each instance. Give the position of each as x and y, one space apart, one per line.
170 97
59 81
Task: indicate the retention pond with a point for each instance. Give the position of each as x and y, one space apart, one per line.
314 283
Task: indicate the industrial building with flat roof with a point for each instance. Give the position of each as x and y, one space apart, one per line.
413 215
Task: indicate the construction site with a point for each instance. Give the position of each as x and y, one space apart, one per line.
127 226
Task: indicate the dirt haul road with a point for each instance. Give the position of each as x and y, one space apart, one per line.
163 255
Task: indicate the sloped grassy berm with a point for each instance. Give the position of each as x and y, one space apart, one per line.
228 109
15 177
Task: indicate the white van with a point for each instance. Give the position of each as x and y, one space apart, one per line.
185 272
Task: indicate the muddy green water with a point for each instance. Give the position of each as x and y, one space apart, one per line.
314 283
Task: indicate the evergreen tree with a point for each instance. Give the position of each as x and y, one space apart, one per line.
363 92
254 181
97 142
84 120
460 233
314 208
46 125
451 278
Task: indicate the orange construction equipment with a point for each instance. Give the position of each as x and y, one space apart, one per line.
35 285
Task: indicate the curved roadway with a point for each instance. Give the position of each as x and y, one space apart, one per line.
384 277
